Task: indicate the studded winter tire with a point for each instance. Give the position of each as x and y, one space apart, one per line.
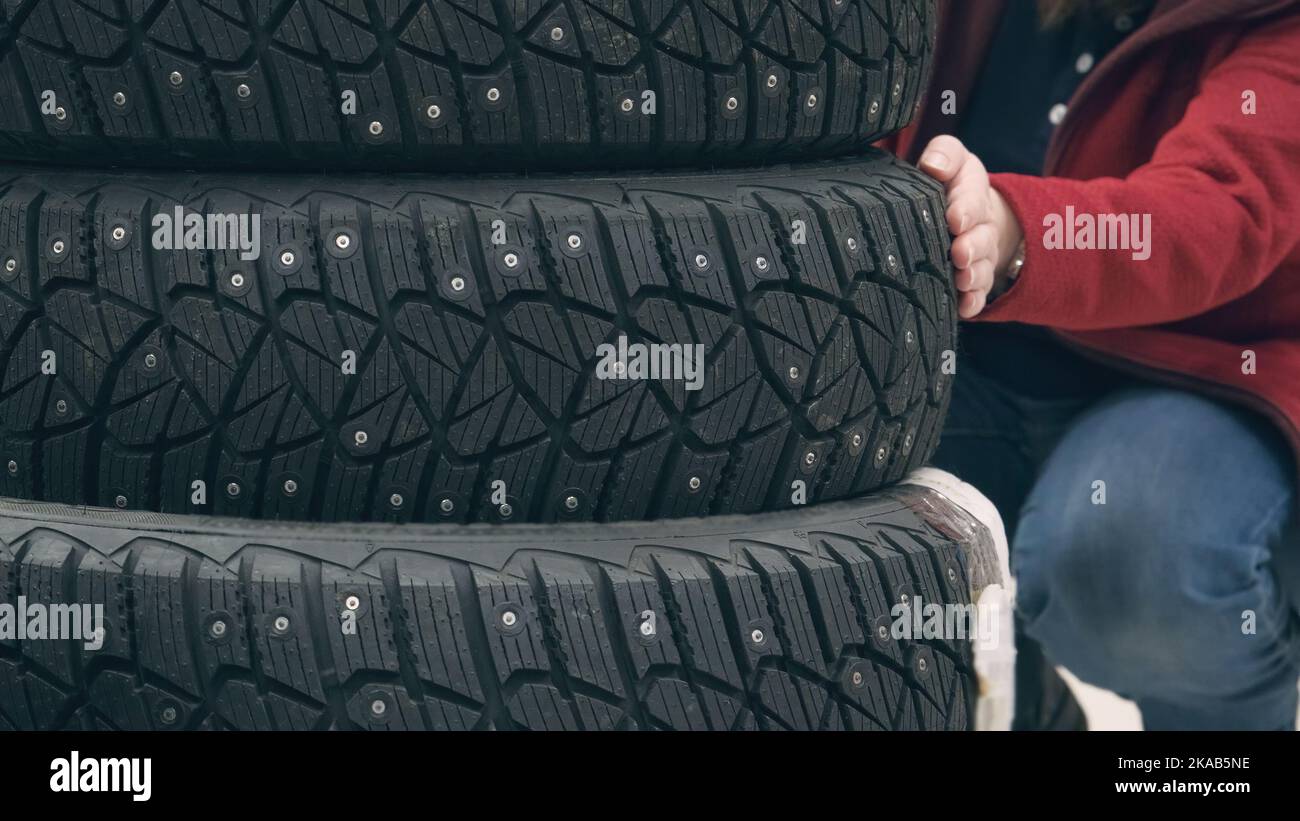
772 621
456 84
472 349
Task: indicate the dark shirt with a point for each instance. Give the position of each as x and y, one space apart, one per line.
1019 100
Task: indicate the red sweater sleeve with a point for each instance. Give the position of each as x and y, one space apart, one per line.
1222 190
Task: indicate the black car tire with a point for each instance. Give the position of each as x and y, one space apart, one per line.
772 621
430 349
464 85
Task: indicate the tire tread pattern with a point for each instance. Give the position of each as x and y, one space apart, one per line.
559 105
836 349
773 628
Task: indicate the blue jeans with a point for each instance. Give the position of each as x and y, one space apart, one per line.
1152 532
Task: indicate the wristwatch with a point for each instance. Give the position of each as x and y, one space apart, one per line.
1013 271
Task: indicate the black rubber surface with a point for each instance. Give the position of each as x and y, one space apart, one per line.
455 84
176 367
1044 700
771 621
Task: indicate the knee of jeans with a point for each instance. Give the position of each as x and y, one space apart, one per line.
1125 596
1076 563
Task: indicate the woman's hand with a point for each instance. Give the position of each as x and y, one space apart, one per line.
985 232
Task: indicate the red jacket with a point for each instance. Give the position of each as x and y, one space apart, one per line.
1158 128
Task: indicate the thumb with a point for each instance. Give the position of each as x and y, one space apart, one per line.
943 158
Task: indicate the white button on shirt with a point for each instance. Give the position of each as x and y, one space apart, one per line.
1123 23
1084 64
1057 115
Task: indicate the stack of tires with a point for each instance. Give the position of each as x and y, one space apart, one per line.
510 364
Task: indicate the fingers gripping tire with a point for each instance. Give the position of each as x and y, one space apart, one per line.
769 621
421 349
456 84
